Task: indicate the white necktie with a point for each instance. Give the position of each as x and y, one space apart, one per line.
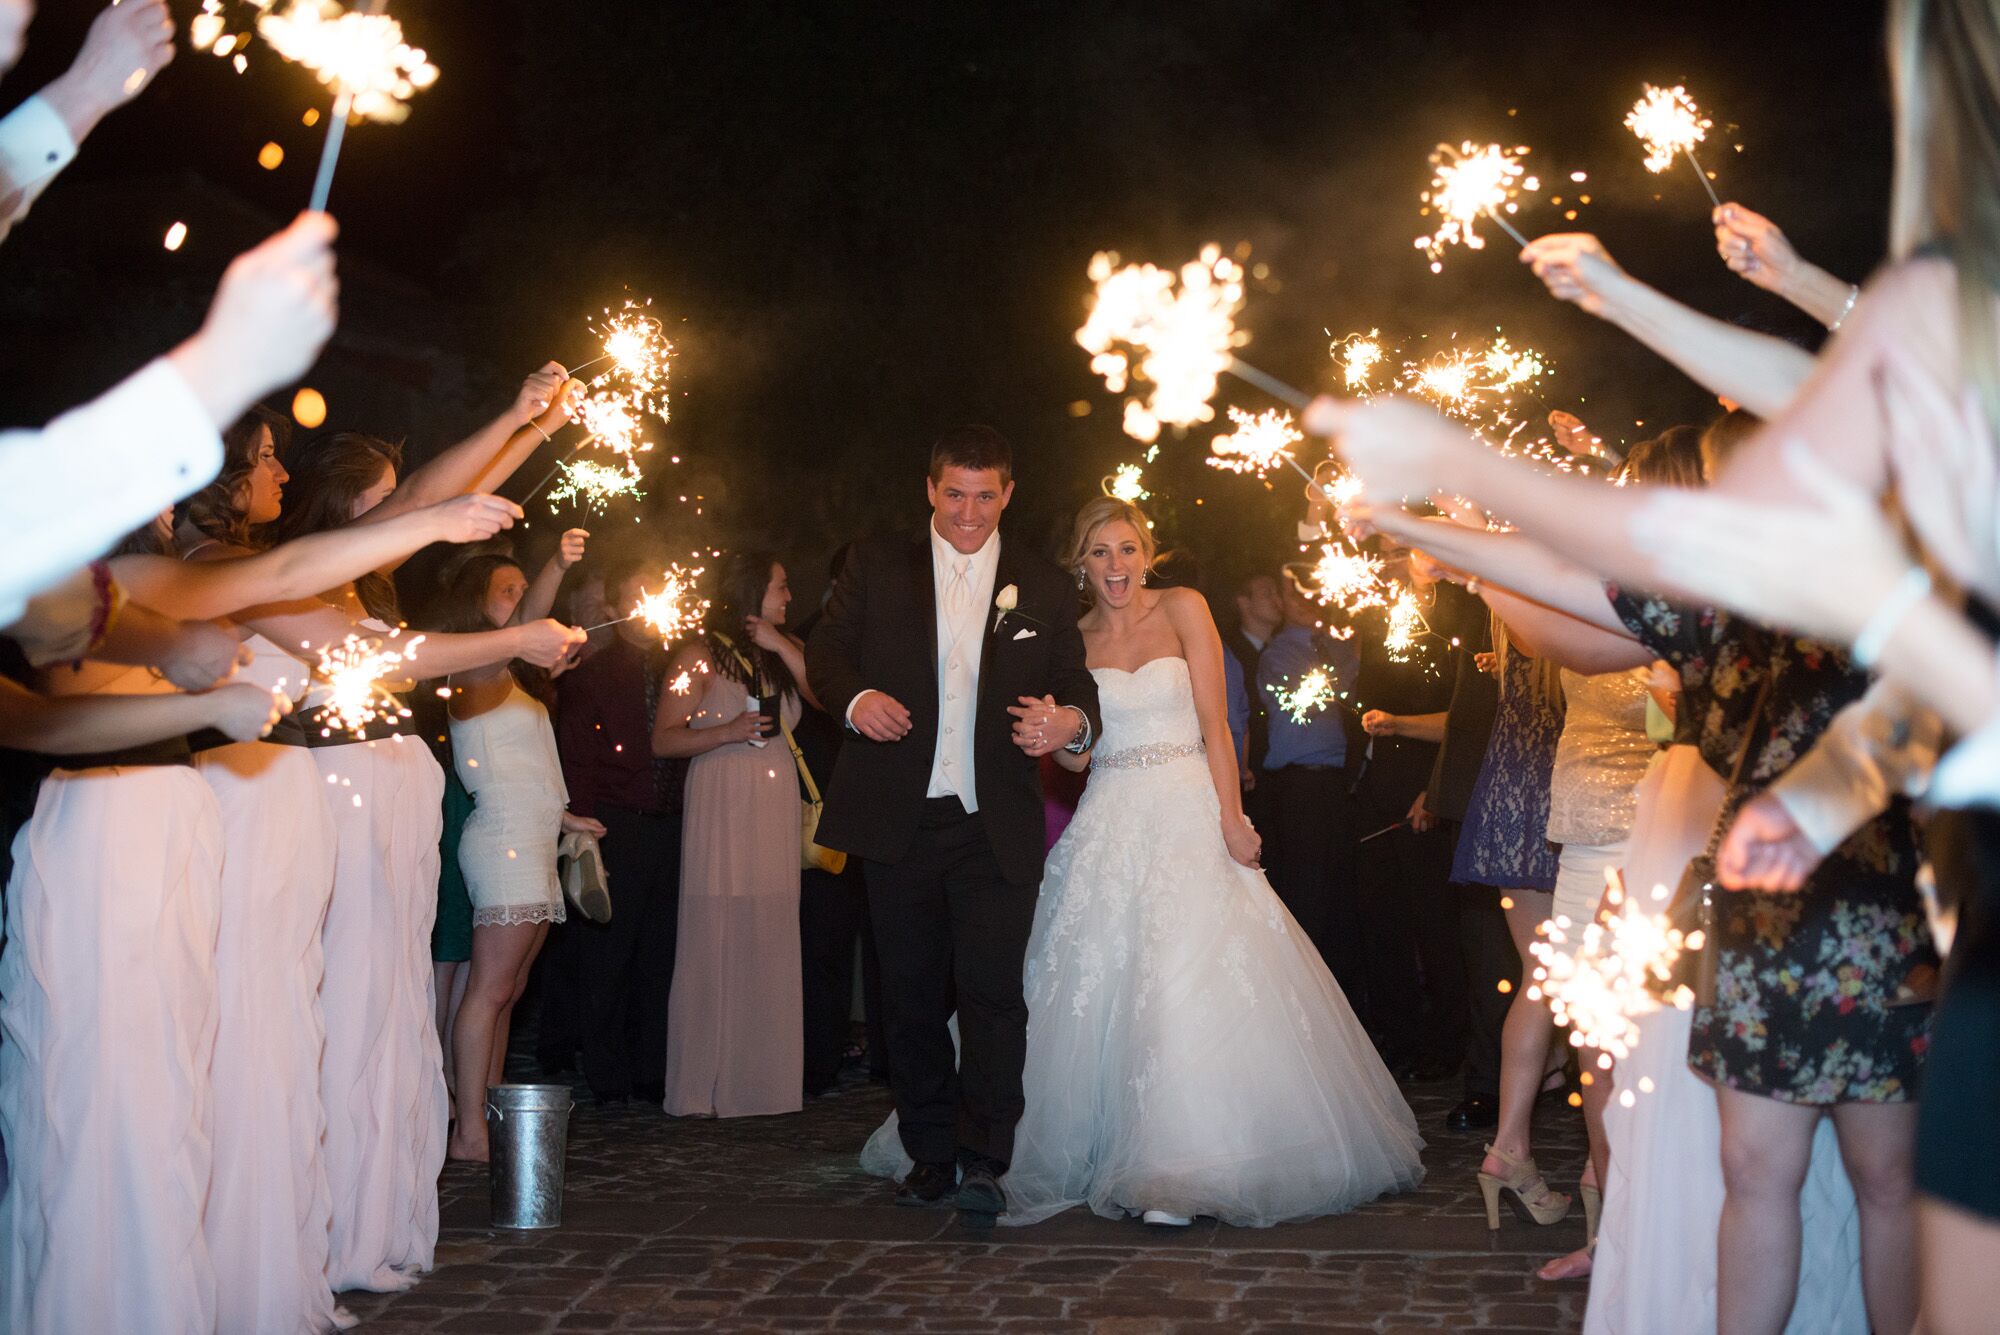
958 593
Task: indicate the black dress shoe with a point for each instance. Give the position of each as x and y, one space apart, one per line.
927 1184
980 1192
1476 1112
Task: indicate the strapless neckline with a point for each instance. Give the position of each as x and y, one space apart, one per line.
1133 672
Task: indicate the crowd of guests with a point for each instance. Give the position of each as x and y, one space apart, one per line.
262 961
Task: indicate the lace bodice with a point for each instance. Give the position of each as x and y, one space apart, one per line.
1147 714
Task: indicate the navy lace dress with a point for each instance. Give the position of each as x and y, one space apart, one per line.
1505 839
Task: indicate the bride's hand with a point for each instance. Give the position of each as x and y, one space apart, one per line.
1244 843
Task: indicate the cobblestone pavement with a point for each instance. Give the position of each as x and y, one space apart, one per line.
765 1224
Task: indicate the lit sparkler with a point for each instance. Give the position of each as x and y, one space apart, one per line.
1468 183
1358 355
1314 693
1174 331
641 357
1669 124
592 485
1260 442
1406 626
354 671
1622 961
1128 483
674 610
1347 578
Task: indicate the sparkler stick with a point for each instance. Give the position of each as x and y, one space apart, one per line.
550 476
1271 385
1386 829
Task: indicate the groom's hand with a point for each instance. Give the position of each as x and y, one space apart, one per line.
880 718
1043 727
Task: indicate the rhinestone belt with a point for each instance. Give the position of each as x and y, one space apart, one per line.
1145 757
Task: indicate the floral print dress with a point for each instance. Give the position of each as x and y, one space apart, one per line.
1805 982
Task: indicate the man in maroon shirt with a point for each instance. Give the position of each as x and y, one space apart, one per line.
621 971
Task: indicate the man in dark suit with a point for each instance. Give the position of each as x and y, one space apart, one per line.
927 647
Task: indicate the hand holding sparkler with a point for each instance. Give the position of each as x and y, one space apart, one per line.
472 518
546 643
1754 248
1576 268
570 547
202 656
128 44
544 398
245 712
1398 449
273 312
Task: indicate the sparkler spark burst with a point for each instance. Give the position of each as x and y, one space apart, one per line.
1313 693
1358 355
1406 625
1128 484
361 57
1174 332
675 609
354 671
1668 123
593 485
1466 183
1347 578
641 357
1614 975
1260 442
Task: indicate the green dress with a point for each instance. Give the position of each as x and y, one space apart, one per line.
451 937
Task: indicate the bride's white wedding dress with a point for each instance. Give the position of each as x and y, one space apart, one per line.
1188 1052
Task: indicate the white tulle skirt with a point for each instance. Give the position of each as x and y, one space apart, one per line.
107 1027
1655 1267
1187 1049
268 1204
382 1076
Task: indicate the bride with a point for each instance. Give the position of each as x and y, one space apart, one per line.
1188 1053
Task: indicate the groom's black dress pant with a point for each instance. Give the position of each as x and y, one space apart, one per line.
952 933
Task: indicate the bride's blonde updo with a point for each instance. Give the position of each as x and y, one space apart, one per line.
1094 516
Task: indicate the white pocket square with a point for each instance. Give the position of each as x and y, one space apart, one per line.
1024 634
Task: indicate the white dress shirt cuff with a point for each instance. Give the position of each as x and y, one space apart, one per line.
858 695
34 145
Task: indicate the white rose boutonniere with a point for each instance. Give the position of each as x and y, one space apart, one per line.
1004 602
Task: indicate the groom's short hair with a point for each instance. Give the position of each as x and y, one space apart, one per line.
975 447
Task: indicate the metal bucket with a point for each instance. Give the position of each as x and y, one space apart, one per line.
527 1127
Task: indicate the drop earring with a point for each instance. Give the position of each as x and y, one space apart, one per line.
1079 579
1142 577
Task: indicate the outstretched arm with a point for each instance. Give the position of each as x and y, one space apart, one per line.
305 566
488 457
540 598
1754 248
1758 371
82 724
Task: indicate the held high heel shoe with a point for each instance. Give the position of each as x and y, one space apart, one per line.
1526 1190
1593 1206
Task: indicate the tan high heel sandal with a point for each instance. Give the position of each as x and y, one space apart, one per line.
1527 1191
1593 1206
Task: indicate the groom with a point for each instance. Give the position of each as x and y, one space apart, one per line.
954 654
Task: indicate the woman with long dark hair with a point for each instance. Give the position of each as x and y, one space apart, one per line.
504 751
735 1020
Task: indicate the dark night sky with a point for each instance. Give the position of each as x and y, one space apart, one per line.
865 222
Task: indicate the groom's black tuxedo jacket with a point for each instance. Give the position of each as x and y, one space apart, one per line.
879 633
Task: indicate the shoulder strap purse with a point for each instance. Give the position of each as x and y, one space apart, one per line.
1694 911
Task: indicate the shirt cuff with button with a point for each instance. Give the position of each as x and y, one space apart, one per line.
71 490
35 144
855 701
